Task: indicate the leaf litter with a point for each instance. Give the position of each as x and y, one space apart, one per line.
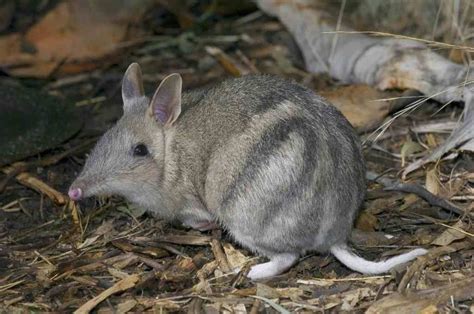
107 256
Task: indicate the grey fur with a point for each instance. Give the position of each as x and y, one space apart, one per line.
265 158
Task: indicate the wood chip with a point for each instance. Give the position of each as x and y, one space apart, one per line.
186 239
220 256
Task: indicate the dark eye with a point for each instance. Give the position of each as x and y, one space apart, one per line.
140 150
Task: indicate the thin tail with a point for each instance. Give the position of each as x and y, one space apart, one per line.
357 263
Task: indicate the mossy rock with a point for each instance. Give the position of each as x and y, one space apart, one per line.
32 122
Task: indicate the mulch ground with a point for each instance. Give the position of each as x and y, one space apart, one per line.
107 256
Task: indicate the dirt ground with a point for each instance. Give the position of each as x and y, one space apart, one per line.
56 257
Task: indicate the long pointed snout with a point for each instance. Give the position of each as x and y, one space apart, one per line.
78 189
86 186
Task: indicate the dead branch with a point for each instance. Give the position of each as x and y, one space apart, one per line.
390 185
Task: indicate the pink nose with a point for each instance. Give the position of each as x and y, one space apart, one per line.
75 194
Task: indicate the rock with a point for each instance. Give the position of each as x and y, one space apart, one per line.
32 122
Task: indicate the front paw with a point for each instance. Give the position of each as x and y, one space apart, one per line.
201 225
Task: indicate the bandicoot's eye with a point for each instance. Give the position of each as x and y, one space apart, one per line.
140 150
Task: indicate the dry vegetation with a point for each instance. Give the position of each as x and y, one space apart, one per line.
107 256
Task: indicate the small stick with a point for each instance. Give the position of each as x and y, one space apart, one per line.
227 62
122 285
36 184
426 195
13 301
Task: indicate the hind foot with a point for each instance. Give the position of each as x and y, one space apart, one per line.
277 265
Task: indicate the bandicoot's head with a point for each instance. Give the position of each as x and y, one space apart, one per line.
129 158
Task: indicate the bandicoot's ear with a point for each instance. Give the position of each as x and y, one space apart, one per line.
166 103
132 86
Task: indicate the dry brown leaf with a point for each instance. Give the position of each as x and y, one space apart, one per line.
234 257
358 104
451 234
234 308
367 222
70 38
202 286
352 298
431 140
43 274
362 238
207 269
294 294
88 242
267 291
408 201
408 148
430 309
232 66
382 204
213 308
117 273
432 182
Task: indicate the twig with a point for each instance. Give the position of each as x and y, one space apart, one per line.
227 62
122 285
11 285
426 195
391 185
91 101
36 184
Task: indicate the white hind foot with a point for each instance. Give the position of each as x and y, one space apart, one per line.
277 265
